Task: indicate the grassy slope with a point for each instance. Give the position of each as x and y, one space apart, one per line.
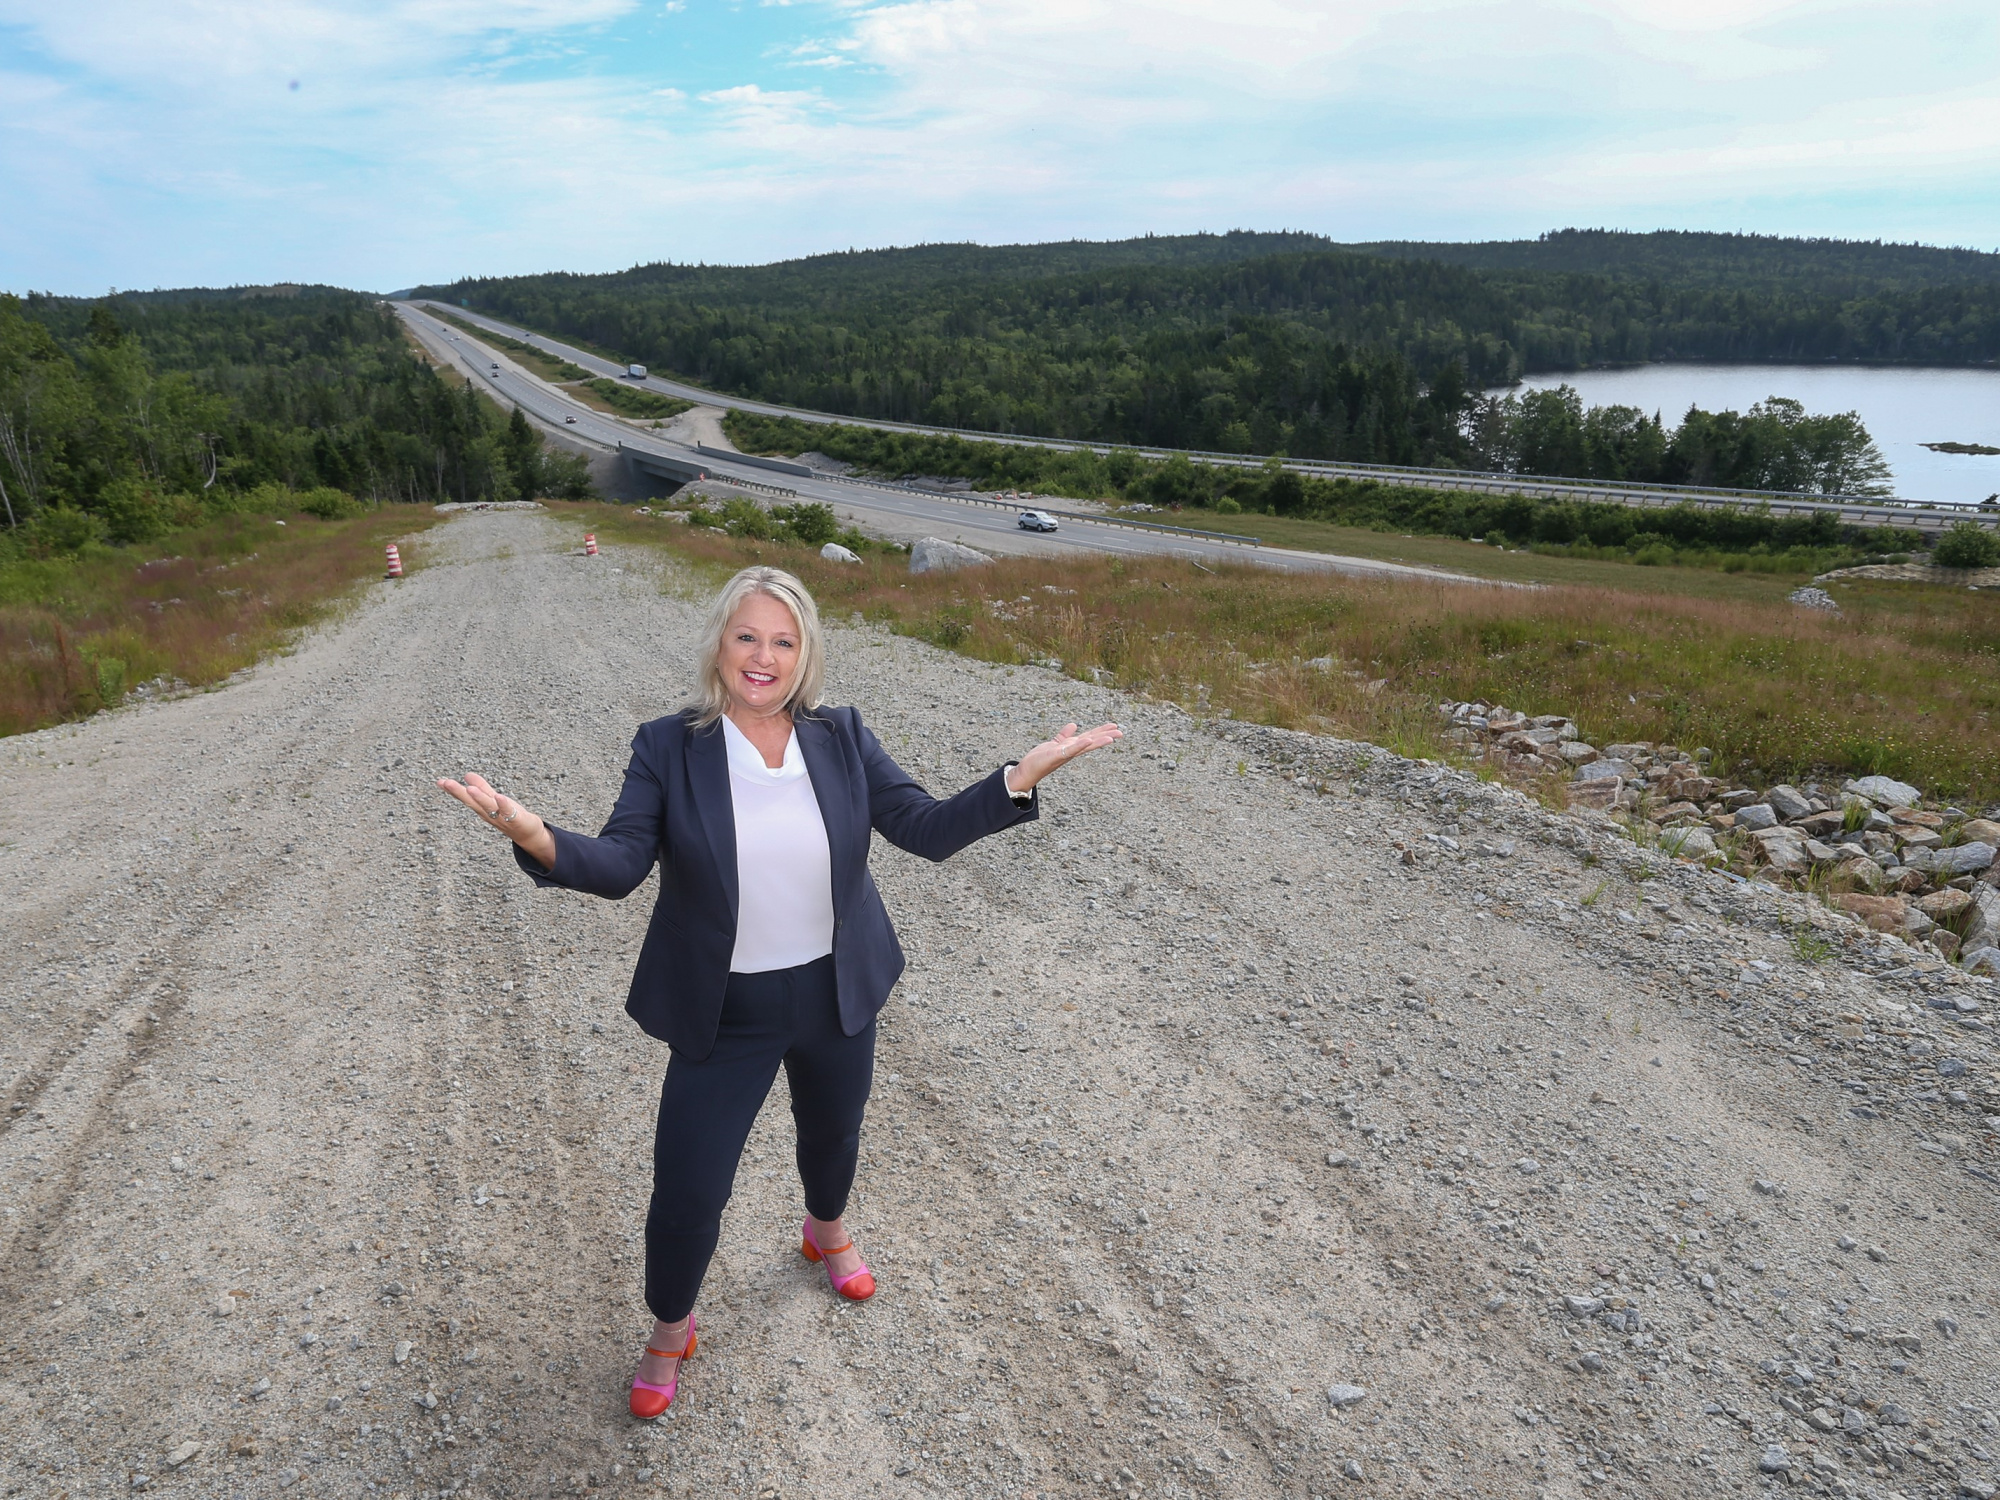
76 633
1904 681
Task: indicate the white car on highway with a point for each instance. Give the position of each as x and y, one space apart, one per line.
1036 520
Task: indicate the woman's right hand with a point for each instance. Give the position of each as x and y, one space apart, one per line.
507 815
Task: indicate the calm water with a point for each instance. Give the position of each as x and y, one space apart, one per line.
1901 409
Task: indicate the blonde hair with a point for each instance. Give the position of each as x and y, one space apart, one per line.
711 692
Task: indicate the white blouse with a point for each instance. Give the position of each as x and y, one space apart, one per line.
784 871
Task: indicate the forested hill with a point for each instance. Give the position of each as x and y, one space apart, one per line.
1218 342
1758 263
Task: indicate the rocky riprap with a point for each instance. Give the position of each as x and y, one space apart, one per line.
1871 846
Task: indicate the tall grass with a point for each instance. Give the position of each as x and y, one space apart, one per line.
78 632
1905 681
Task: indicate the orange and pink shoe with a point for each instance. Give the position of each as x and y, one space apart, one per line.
649 1400
857 1286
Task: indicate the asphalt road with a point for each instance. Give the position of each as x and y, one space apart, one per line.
1860 513
888 508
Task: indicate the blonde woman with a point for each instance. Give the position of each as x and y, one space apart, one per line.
769 944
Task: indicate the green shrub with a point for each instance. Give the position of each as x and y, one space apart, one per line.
330 504
63 528
810 522
1967 545
1228 506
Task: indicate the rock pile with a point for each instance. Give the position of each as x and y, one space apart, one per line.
1870 847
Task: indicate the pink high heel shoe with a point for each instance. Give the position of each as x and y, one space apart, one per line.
649 1400
858 1287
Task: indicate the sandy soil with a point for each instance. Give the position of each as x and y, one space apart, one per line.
1260 1068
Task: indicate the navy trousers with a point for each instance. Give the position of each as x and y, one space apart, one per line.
783 1016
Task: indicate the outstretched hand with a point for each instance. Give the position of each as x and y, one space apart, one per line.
505 814
1067 745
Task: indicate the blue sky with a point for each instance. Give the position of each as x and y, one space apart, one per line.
376 145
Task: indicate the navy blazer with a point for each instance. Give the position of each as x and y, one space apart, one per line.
676 809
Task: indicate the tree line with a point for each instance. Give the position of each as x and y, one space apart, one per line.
123 417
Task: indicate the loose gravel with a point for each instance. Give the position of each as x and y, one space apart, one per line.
1276 1117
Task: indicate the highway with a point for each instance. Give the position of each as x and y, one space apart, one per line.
1853 510
883 508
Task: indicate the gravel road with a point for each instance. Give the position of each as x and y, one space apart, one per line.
1365 1130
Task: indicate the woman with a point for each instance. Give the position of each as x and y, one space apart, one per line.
768 944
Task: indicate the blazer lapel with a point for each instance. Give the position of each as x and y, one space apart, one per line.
708 774
822 760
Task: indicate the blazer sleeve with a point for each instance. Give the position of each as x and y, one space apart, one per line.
930 827
614 863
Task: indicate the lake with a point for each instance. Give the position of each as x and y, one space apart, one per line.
1901 408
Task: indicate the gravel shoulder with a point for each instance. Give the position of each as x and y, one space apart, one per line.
1263 1066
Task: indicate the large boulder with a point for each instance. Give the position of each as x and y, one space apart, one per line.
1885 791
1980 830
1756 817
1882 913
1862 873
1949 864
1789 803
936 555
1688 842
1982 927
1609 769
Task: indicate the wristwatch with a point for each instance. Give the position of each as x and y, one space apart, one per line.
1021 799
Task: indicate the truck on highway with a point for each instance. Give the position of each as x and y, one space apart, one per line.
636 372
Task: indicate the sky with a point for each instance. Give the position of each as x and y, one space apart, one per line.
377 146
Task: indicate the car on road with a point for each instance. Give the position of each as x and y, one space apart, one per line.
1036 520
570 420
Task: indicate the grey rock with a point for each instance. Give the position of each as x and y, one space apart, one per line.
287 1478
1949 864
1591 1361
1604 769
1892 1415
1576 752
1582 1307
936 555
1978 1489
1775 1460
1853 1422
1755 816
1345 1395
1691 842
1983 925
1808 597
1789 803
1983 961
834 552
402 1351
183 1453
1352 1469
1885 791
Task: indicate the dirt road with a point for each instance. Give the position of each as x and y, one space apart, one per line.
1366 1131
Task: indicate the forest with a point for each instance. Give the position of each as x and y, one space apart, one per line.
124 417
1268 343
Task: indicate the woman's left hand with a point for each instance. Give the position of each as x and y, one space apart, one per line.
1065 747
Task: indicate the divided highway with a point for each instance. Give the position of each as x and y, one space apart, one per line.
1852 510
882 507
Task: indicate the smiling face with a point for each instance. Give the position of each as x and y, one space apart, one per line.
760 655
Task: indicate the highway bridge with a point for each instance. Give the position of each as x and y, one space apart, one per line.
1857 510
895 509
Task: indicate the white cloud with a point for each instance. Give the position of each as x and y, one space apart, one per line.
434 137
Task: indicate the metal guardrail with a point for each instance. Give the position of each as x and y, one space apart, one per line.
1227 538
